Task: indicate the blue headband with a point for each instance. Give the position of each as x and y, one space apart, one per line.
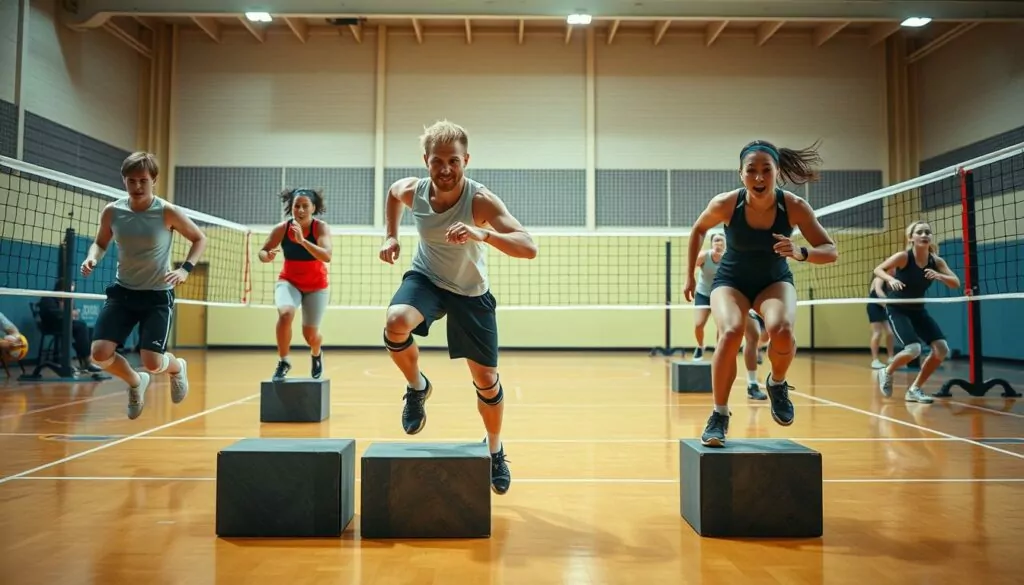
763 148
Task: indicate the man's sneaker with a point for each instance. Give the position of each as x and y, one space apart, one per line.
916 395
501 477
414 416
179 383
782 406
877 364
282 370
715 431
318 365
754 392
698 354
137 396
884 382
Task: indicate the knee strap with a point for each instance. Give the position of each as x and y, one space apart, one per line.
914 349
399 346
497 397
165 361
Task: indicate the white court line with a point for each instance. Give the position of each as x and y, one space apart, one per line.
62 405
582 480
125 439
988 410
913 426
573 406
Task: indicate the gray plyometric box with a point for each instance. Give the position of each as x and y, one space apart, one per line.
689 376
295 400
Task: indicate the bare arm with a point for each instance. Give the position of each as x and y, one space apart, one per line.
399 196
322 251
274 238
103 236
945 275
183 224
883 270
877 286
507 235
823 250
717 212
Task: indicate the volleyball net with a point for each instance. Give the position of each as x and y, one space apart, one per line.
975 209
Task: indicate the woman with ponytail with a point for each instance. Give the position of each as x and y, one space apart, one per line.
907 275
754 272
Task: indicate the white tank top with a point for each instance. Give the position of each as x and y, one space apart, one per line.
706 274
459 268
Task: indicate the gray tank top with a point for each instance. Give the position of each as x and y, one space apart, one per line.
459 268
143 246
706 273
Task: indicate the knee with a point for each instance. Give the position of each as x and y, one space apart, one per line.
940 349
155 363
399 320
102 353
310 333
780 330
731 335
488 388
285 314
912 349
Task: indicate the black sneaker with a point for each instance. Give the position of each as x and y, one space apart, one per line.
715 431
282 370
782 406
318 366
754 392
414 416
698 354
501 477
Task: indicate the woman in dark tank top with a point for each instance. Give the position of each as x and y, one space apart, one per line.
754 272
912 272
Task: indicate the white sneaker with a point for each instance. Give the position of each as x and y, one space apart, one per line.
877 365
179 383
137 396
916 395
884 382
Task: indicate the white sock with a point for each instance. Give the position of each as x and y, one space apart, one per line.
751 377
421 384
773 381
285 359
494 442
723 409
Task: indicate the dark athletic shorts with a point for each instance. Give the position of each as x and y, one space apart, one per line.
126 308
750 284
876 312
472 324
913 325
701 300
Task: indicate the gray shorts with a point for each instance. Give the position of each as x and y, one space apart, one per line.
313 303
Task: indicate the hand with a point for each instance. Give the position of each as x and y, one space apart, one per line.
895 284
176 277
390 250
296 230
460 233
784 247
88 266
932 275
268 255
689 288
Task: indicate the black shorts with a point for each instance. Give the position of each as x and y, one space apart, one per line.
701 300
913 325
752 283
126 308
472 324
876 312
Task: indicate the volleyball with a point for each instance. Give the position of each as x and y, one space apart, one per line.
16 353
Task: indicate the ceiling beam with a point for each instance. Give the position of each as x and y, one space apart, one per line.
614 29
659 31
418 29
111 27
357 32
767 30
299 27
568 33
469 33
940 41
147 22
522 30
826 31
713 30
882 31
209 25
258 32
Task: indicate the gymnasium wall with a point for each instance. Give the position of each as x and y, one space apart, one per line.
970 95
669 123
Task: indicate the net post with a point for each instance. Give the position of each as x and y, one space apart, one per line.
977 385
67 274
667 350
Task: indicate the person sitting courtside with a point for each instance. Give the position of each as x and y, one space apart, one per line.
51 316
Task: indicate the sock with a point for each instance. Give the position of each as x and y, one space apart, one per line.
723 409
317 354
751 377
772 381
494 442
285 359
913 387
421 383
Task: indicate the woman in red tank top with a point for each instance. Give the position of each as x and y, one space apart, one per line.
306 245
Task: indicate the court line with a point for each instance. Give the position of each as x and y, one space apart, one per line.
985 409
911 425
573 406
62 405
580 480
125 439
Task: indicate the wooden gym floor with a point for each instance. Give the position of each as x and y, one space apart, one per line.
913 493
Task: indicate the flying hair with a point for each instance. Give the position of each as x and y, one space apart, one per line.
315 195
795 166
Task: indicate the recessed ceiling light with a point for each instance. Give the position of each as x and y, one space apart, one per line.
916 21
258 16
578 19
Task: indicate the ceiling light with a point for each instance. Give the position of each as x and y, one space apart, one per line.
579 19
258 16
916 21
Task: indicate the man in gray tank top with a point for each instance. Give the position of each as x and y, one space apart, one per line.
143 291
457 219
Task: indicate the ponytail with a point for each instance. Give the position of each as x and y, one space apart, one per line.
795 166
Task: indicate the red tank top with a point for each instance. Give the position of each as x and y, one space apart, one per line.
301 268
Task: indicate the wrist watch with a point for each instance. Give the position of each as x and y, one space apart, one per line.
803 254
